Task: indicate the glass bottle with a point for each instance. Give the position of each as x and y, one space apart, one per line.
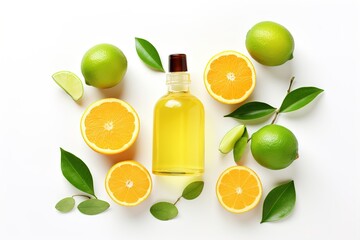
178 137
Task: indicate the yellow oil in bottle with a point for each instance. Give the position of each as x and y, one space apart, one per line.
178 137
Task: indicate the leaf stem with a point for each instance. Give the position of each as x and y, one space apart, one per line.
291 83
288 91
177 200
275 117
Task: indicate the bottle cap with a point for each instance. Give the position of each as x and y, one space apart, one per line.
177 63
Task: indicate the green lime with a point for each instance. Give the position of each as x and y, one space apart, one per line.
70 83
230 138
274 146
103 66
270 43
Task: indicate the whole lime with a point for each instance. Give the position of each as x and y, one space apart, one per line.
274 146
270 43
103 66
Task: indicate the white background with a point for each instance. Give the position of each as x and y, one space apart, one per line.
38 38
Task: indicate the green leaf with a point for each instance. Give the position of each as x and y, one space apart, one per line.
240 146
65 205
148 54
193 190
299 98
164 211
76 172
252 110
230 138
93 206
279 202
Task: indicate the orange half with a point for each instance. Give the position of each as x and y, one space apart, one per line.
110 126
238 189
128 183
229 77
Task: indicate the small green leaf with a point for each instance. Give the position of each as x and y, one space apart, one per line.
230 138
148 54
65 205
76 172
299 98
164 211
279 202
93 206
252 110
240 146
193 190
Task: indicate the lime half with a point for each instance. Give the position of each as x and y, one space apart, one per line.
71 83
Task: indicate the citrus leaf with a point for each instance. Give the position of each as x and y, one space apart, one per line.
193 190
252 110
230 138
65 205
279 202
93 206
164 211
240 146
299 98
148 54
76 172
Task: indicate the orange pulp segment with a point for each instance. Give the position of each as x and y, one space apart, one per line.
238 189
110 126
128 183
229 77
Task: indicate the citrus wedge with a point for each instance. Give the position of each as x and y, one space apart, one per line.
128 183
238 189
229 77
110 126
70 83
228 141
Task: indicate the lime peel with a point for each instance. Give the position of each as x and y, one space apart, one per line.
70 83
240 146
274 147
230 138
270 43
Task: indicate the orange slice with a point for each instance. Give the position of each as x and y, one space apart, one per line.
128 183
110 126
229 77
238 189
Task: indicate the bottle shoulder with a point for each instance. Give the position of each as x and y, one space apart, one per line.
179 99
181 96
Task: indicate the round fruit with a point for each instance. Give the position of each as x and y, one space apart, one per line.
103 66
128 183
270 43
110 126
229 77
238 189
274 147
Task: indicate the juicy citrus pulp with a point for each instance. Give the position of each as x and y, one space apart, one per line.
128 183
274 146
103 66
229 77
238 189
110 126
270 43
71 83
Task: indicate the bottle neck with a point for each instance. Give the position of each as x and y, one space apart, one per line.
178 82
